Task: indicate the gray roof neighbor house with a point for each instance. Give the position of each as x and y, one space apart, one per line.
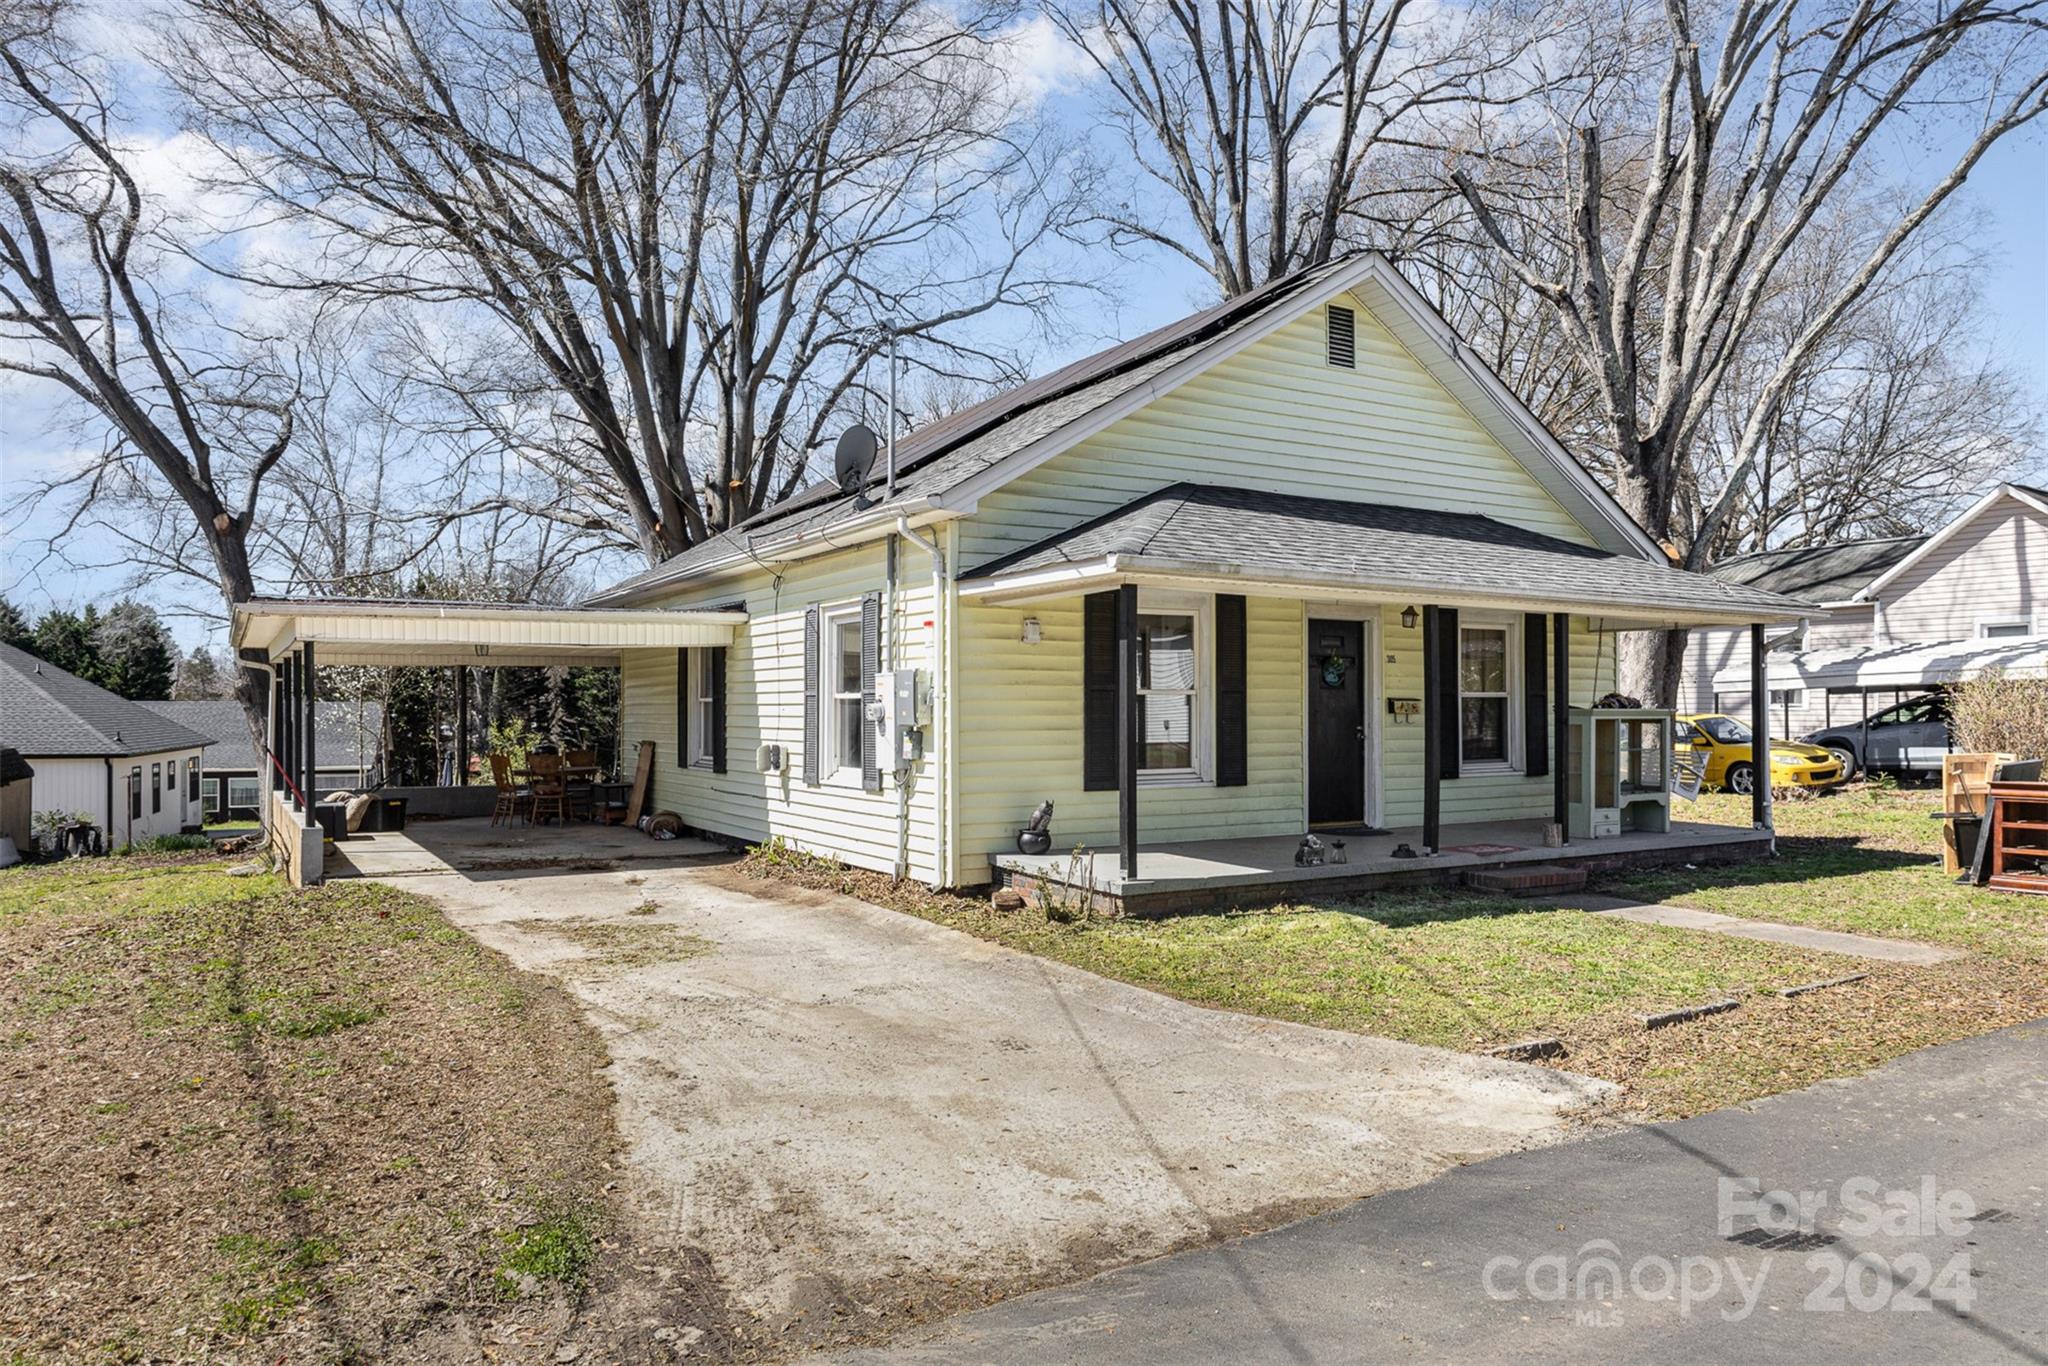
348 734
1821 573
46 712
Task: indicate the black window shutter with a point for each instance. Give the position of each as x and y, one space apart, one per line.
682 708
811 718
1098 693
714 659
1535 694
870 662
1450 735
1230 691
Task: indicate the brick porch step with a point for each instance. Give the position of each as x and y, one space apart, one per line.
1527 879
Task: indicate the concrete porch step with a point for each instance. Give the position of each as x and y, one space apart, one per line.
1527 879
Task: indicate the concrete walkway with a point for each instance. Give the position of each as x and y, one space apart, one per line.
850 1116
1798 936
1509 1260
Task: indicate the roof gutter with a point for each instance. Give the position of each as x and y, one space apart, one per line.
872 524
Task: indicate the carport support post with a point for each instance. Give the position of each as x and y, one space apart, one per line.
1433 722
462 725
1760 734
312 701
1127 738
1560 722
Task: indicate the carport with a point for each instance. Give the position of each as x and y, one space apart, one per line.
291 638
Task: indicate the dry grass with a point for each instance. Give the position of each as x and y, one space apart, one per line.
246 1123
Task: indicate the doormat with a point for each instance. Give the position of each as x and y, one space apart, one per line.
1483 848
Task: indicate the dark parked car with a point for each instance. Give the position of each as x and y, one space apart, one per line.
1908 738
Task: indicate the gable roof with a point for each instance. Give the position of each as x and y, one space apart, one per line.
945 466
2023 494
47 712
339 742
1822 573
1454 558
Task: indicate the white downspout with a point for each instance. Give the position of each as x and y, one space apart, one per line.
938 766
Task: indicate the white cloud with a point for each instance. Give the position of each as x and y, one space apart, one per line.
1041 61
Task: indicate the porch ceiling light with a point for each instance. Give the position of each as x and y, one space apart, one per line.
1407 618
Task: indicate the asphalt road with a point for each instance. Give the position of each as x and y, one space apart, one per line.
1925 1240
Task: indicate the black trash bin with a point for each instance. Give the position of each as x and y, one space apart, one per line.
388 812
333 818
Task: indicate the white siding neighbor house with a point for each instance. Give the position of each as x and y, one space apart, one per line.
1296 561
350 750
132 773
1903 615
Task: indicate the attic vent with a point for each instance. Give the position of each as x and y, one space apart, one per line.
1342 336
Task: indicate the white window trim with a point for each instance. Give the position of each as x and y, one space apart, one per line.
254 788
1202 712
700 708
836 771
1985 625
209 796
1514 701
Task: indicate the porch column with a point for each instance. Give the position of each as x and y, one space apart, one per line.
295 765
462 725
1127 737
273 781
288 727
311 724
1560 722
1433 722
1760 748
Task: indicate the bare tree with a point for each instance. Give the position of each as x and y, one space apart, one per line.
181 397
1672 241
690 214
1902 413
1274 126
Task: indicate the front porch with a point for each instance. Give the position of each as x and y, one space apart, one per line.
1210 875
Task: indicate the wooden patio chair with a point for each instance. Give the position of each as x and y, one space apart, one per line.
550 797
513 800
581 791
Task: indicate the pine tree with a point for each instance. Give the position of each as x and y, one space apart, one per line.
135 652
67 640
15 629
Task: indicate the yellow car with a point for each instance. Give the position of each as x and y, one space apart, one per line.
1727 748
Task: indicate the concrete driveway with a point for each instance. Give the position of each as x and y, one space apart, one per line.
852 1120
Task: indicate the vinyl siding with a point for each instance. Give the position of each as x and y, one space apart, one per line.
1020 735
81 785
764 704
1277 418
1990 570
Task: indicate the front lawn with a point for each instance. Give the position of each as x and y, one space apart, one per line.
1469 972
247 1123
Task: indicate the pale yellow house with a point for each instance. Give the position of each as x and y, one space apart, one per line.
1298 561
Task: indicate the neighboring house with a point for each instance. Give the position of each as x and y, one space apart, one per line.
17 789
132 772
1903 615
350 749
1283 545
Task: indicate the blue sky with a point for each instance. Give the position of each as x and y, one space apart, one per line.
2009 189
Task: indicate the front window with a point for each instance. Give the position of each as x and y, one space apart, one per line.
1167 681
209 796
701 709
1486 678
156 788
242 793
135 792
845 721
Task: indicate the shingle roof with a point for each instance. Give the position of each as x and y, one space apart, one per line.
1824 573
1324 539
347 734
46 711
942 454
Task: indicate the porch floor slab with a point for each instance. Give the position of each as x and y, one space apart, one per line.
1207 874
477 846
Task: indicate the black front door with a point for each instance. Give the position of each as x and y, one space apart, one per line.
1336 722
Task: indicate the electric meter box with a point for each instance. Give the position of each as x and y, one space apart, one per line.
903 698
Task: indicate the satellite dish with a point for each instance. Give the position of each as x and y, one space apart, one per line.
854 457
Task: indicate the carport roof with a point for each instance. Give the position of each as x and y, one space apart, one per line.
484 634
